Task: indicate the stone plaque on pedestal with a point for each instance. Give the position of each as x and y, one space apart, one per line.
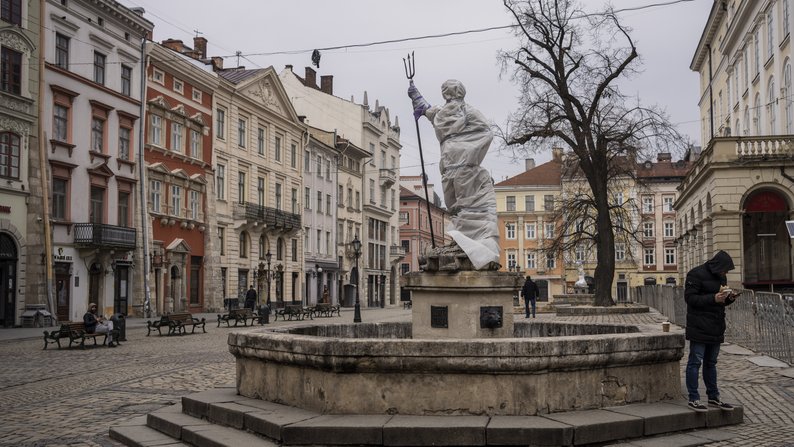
466 295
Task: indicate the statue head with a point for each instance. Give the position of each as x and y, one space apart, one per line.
453 89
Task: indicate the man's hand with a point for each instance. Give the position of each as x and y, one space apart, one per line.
721 296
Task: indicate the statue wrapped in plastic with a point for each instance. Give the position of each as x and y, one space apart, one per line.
464 136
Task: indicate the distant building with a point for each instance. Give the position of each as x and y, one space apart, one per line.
415 235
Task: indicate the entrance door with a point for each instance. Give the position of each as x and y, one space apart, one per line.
8 283
766 242
63 291
623 292
176 298
121 290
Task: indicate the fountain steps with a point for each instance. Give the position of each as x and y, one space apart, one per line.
221 418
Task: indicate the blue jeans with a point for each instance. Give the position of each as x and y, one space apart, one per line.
527 302
705 353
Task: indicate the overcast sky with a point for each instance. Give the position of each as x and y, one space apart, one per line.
665 37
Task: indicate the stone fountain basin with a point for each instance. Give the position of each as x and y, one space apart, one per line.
376 368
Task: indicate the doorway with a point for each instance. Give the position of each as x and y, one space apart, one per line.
63 291
121 290
8 283
767 246
176 301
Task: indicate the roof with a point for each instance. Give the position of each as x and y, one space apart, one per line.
663 169
547 174
237 75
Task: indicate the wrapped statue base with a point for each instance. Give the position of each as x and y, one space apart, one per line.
450 258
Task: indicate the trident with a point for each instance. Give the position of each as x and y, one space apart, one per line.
410 71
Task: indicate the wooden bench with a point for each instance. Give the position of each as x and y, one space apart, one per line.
290 311
327 310
239 315
76 333
176 323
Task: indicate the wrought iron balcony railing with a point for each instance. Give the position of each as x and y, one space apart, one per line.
271 217
103 235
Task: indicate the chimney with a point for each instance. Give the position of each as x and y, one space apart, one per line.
556 153
310 80
217 63
664 156
174 44
288 67
529 163
200 46
327 84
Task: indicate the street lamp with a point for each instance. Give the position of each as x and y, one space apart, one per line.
319 272
357 252
268 256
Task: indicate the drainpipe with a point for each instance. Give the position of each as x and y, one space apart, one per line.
711 95
142 190
43 173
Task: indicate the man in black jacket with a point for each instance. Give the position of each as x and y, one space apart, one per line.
706 298
250 298
530 292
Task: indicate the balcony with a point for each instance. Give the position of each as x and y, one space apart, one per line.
102 235
271 217
397 252
387 177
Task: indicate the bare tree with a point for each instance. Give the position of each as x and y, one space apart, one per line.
567 68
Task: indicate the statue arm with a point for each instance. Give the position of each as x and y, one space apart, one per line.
419 102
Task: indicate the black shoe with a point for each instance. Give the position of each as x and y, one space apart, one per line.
720 404
111 345
697 406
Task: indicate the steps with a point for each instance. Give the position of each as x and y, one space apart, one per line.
221 418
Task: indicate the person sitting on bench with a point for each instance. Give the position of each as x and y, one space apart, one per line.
97 324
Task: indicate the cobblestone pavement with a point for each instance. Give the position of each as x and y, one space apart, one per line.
71 397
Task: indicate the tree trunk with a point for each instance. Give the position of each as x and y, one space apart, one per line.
605 244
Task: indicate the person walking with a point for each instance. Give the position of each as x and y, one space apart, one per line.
530 292
706 296
250 298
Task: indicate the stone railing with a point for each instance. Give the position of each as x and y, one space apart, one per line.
764 147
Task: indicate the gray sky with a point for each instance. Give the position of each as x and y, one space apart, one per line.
665 37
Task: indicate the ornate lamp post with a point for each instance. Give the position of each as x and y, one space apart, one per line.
268 276
357 252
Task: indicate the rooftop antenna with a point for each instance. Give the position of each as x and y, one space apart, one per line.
197 32
238 53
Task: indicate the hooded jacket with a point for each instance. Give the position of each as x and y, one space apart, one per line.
705 317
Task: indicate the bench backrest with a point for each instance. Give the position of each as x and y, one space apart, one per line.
185 316
73 326
244 312
293 308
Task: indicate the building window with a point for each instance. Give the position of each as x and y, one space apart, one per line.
97 210
772 107
620 252
549 231
277 154
260 141
60 123
9 154
371 191
358 200
124 143
99 68
307 157
260 191
647 230
241 126
222 240
328 169
176 200
788 102
529 203
97 135
307 198
62 51
197 95
280 249
669 229
241 187
785 18
278 196
155 195
579 252
157 130
195 144
551 260
770 35
176 137
60 197
530 262
510 203
124 209
319 165
667 204
757 115
221 182
319 202
649 257
548 202
126 80
510 232
261 245
328 242
294 250
220 123
194 205
757 49
328 206
647 205
530 230
12 12
158 76
294 200
669 256
10 71
179 86
293 154
511 260
244 245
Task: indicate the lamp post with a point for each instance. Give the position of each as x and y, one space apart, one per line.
268 256
357 252
319 271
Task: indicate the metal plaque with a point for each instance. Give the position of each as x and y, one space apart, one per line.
439 316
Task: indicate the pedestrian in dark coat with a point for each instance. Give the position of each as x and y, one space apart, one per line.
250 298
530 292
706 297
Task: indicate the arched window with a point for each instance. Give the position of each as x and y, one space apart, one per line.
786 97
280 249
9 155
746 120
243 244
757 115
772 107
262 249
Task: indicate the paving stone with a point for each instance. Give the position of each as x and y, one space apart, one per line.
713 435
523 430
677 440
217 436
593 426
768 362
663 417
735 350
198 404
404 430
343 429
172 423
229 413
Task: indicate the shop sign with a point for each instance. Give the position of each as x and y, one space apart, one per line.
59 256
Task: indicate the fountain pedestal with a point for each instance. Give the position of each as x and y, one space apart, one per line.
462 305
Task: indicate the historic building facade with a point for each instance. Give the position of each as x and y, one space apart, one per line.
21 225
738 193
92 99
415 235
179 178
